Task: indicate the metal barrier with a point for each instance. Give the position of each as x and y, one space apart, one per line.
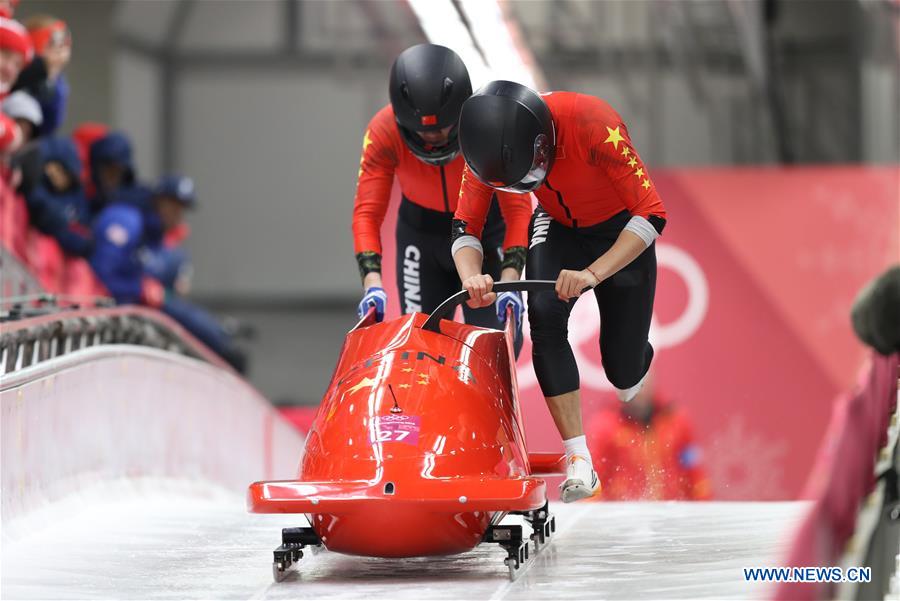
27 341
16 278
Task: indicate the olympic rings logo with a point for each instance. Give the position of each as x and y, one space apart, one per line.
661 335
393 418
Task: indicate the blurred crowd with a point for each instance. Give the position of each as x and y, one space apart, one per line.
74 208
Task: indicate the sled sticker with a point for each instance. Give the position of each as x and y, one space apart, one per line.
396 428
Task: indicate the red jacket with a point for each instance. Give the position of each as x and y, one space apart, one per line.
655 461
597 172
385 156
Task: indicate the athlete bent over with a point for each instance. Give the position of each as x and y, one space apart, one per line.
414 139
595 227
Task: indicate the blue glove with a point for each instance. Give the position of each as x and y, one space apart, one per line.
514 300
374 297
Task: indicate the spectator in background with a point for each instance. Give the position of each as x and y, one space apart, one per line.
43 78
84 137
122 229
15 54
119 240
8 8
26 113
166 258
112 170
57 204
645 450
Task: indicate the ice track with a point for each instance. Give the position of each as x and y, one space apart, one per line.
178 543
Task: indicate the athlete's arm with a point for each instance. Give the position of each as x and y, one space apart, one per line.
570 284
516 210
468 255
373 193
611 150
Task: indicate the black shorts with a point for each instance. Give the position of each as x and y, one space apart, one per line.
625 301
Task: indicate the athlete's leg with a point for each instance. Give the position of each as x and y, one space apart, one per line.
552 248
626 307
492 243
421 282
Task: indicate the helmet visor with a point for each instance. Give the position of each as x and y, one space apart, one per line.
534 177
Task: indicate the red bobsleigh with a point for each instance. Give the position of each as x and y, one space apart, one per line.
418 447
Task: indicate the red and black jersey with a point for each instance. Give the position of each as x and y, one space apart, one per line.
596 174
386 156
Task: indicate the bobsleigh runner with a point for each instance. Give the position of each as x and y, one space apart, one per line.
418 447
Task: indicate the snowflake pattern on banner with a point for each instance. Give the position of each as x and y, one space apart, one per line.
743 464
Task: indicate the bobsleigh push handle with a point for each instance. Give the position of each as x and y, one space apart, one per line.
445 309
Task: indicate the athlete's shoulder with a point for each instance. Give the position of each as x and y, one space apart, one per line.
559 102
383 125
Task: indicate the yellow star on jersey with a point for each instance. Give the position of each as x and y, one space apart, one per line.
614 137
422 382
646 184
423 375
625 151
406 369
639 173
367 140
404 386
632 162
366 382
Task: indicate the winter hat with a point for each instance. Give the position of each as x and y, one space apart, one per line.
7 10
21 105
45 30
179 187
15 37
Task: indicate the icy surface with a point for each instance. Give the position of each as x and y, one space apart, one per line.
176 542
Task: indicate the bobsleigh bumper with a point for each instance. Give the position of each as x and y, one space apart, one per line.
451 495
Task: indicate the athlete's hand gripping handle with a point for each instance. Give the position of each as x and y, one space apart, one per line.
376 298
511 302
446 308
479 288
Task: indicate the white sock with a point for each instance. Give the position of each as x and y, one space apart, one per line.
577 446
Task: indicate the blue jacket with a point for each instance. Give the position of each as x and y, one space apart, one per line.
166 264
63 214
54 107
118 237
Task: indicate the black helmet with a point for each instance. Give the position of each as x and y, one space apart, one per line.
507 136
428 86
